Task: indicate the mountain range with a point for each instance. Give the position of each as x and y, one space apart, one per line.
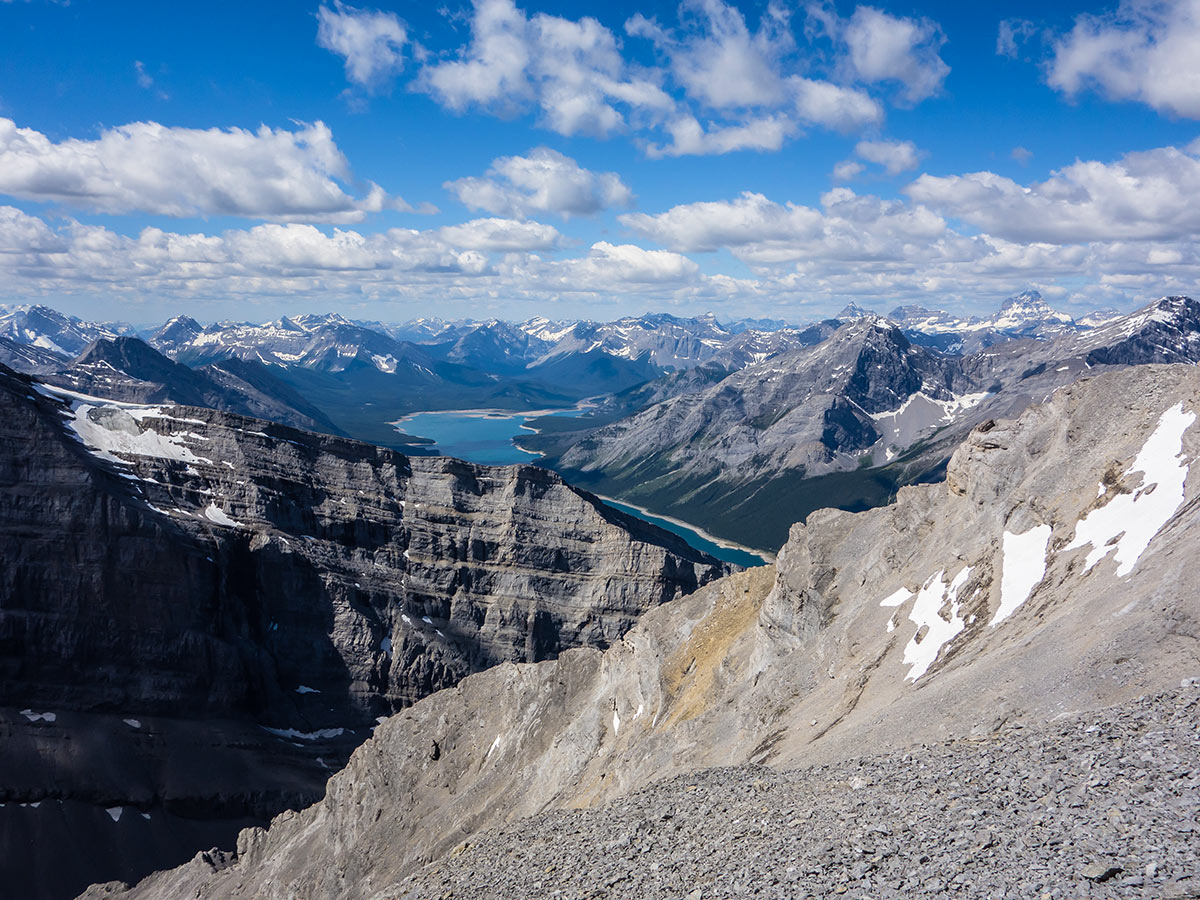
988 682
738 429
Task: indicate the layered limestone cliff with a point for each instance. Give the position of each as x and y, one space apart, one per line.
1052 572
202 614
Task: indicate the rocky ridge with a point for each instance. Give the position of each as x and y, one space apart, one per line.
1052 573
201 614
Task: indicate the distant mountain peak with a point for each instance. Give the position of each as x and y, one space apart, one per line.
853 311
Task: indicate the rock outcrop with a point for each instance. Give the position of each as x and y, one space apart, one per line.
201 614
1052 573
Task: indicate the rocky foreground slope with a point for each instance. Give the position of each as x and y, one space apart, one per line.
202 614
1052 574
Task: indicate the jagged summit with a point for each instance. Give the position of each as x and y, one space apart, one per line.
852 311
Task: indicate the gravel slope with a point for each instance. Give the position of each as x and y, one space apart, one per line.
1105 804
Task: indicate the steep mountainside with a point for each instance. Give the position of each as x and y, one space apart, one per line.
1051 574
844 422
48 329
129 369
706 455
28 358
201 614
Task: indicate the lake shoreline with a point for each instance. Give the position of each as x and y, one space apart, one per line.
767 558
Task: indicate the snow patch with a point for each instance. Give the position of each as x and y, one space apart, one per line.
39 717
115 812
1128 522
215 514
305 689
922 650
1023 566
319 735
133 723
110 429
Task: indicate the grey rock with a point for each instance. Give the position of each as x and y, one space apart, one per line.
202 614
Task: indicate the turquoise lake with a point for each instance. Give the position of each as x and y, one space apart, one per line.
486 437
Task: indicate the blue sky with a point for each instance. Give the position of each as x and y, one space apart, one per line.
568 160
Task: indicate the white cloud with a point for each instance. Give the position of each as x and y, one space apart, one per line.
1012 34
689 138
504 235
628 263
1021 155
719 61
883 48
1143 196
370 41
721 86
1147 50
570 70
851 246
894 156
543 180
152 168
848 170
707 226
834 106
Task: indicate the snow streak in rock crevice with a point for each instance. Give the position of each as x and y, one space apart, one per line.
1132 520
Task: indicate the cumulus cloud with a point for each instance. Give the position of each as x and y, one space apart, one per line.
848 246
849 227
719 61
720 85
543 180
371 42
503 235
152 168
707 226
834 106
881 47
570 70
690 138
626 263
1143 196
848 170
894 156
1147 51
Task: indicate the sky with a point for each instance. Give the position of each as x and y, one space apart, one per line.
491 158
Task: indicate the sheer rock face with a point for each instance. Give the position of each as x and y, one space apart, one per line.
1053 572
178 580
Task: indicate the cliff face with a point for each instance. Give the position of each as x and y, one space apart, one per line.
202 614
1052 573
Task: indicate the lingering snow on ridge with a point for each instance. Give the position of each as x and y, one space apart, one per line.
933 630
1130 521
108 428
1023 566
918 414
38 717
